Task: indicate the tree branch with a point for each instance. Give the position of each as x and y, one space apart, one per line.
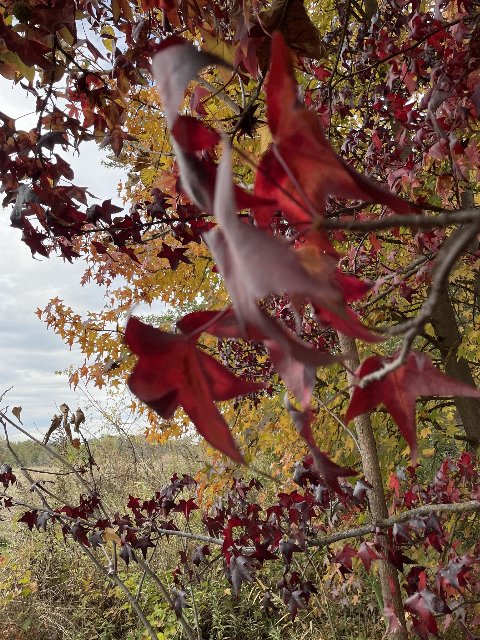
358 532
441 220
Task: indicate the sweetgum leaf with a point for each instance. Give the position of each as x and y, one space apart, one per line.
186 507
256 265
192 135
199 555
179 598
176 63
454 573
127 554
424 604
394 624
29 518
367 553
399 389
296 25
172 371
297 376
329 470
287 548
301 169
240 571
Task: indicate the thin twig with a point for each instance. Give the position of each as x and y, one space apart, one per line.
446 259
119 583
186 627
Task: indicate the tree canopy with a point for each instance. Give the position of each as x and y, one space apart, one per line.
302 196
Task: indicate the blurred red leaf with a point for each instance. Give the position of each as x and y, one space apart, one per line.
301 169
172 371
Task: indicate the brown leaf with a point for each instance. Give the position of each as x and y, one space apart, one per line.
109 535
291 18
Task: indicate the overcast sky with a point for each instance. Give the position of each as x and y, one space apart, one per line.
29 353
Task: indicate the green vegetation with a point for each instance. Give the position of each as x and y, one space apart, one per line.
50 589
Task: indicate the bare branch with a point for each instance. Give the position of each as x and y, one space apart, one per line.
471 506
445 219
449 253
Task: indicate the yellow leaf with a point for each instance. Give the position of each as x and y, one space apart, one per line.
22 69
109 535
264 138
218 47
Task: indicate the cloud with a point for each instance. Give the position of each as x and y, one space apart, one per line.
30 354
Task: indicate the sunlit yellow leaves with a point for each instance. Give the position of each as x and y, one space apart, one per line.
109 39
221 48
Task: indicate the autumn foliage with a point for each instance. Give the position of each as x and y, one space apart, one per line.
309 263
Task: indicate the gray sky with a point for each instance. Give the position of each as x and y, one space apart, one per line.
29 353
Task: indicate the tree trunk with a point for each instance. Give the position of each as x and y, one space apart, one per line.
376 496
448 336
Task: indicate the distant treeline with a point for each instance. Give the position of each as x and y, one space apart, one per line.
30 453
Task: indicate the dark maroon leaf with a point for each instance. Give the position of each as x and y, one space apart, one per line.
186 507
179 598
287 548
329 470
7 476
29 518
367 553
144 544
96 539
241 571
127 554
199 555
174 256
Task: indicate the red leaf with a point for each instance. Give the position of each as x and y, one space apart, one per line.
394 483
174 256
174 65
298 377
344 557
394 624
425 604
185 507
256 265
171 371
193 135
301 169
399 389
329 470
367 553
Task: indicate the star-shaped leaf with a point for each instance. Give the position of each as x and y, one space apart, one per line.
399 389
172 371
301 169
255 265
174 256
